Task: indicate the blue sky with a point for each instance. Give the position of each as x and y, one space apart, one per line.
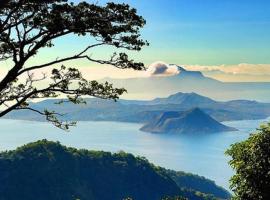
206 32
225 39
232 37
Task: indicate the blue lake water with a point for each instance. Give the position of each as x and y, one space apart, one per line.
199 154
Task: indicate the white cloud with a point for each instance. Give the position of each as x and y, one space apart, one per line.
160 68
240 69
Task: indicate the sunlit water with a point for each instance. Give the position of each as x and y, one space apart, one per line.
199 154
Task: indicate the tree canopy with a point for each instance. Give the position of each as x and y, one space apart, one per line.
251 161
27 26
48 170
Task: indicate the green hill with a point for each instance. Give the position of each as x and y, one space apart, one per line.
47 170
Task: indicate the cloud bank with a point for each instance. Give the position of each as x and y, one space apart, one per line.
229 73
240 69
243 72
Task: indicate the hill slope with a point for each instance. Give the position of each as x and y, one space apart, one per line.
46 170
191 121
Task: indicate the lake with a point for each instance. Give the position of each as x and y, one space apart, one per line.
198 154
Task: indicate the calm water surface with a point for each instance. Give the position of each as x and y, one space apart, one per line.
199 154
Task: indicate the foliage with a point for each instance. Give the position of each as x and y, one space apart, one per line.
48 170
174 198
27 26
194 183
251 161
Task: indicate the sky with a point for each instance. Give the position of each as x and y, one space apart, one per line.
206 32
225 39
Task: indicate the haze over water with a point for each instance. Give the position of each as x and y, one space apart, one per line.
199 154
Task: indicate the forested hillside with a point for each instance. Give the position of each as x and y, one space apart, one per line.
47 170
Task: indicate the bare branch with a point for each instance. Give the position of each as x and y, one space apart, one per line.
77 56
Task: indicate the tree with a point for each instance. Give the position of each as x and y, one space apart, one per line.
251 161
27 26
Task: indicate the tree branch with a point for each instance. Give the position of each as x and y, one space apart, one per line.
77 56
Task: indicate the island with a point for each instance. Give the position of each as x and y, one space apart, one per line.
192 121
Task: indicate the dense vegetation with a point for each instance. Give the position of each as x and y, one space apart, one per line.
48 170
198 183
251 161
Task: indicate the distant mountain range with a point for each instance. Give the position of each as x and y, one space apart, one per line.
147 111
191 121
183 99
192 81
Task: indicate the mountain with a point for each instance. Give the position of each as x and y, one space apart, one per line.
191 74
47 170
185 99
192 81
145 111
191 121
155 86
